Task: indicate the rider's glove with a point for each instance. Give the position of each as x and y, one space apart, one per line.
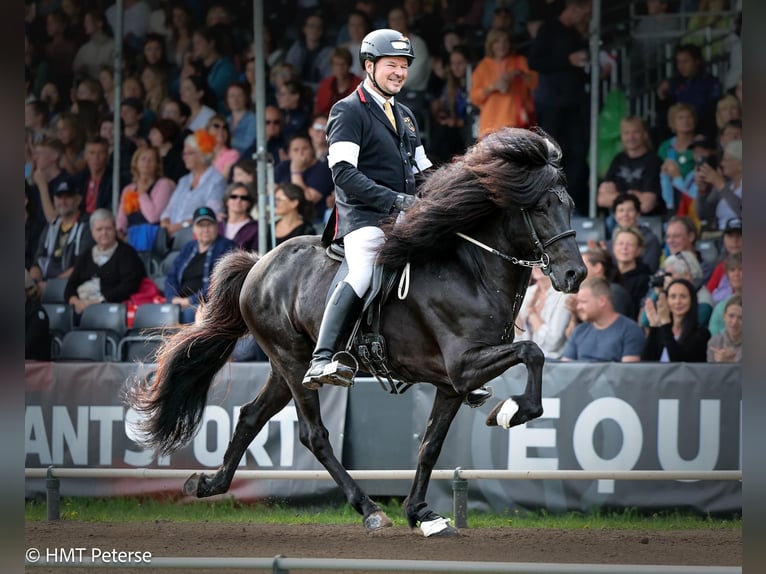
403 202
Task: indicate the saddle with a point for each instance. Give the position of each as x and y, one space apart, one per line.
365 341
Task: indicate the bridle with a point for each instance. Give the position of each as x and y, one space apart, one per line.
540 247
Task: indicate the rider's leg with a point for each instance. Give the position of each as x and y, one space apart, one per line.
343 308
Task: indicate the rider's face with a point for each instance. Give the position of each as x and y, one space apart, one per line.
390 73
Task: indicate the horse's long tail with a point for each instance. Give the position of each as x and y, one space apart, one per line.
172 399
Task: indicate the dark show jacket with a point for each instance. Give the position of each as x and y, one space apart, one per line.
366 186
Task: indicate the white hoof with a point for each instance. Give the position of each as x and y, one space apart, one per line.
506 412
434 527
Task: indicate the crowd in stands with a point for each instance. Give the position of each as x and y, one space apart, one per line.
187 135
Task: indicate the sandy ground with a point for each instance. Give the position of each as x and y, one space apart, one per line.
165 539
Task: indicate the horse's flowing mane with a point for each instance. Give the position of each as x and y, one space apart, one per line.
508 168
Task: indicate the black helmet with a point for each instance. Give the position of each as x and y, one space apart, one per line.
385 42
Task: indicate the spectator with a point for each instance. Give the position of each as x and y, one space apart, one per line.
318 134
544 316
676 152
49 95
48 177
179 39
188 280
62 240
309 54
604 334
202 186
154 79
37 336
241 120
681 235
426 24
143 200
732 244
106 80
36 114
733 289
110 271
627 247
686 188
726 347
635 170
276 144
131 114
154 54
127 148
98 51
724 201
727 108
599 263
451 123
626 214
135 22
294 212
559 53
70 133
420 69
337 85
88 90
357 27
163 135
294 105
224 156
60 51
208 61
732 130
237 224
244 171
675 334
177 111
693 85
194 94
303 169
94 183
502 86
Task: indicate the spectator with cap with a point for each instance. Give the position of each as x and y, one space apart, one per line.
604 334
724 200
203 185
726 346
110 271
732 244
188 280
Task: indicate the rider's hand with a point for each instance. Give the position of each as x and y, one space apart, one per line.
403 202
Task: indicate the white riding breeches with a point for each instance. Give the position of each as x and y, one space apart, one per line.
361 249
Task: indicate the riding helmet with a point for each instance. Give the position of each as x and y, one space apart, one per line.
385 42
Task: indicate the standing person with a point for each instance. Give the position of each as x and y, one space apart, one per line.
559 53
675 334
373 157
676 152
502 86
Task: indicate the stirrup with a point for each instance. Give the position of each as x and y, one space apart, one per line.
478 397
339 372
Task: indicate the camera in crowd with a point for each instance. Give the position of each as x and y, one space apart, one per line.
657 281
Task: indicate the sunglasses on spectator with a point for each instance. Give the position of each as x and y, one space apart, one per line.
274 122
242 197
319 127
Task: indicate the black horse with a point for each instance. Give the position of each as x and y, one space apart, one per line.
482 222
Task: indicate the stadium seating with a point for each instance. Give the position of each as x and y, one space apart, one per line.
150 328
83 345
60 323
54 291
108 318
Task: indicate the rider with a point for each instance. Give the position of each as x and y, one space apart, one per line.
373 166
374 153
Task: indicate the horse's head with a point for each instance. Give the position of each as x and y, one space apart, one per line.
552 239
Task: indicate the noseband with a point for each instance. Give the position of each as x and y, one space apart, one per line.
540 247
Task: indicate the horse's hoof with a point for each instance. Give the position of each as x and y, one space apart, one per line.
191 484
440 527
503 414
377 521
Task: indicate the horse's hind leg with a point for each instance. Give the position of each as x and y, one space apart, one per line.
416 509
522 408
252 418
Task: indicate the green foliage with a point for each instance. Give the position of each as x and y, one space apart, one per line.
229 509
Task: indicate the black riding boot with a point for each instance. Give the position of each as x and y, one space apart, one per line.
339 316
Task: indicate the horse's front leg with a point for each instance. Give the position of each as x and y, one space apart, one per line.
416 509
484 364
252 418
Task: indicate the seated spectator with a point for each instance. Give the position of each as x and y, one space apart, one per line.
133 91
727 109
37 336
599 263
163 136
127 149
177 111
627 247
309 54
237 224
303 169
71 134
420 68
732 130
94 183
131 114
732 244
195 94
450 122
734 280
502 86
154 79
675 334
224 156
188 280
110 271
209 61
318 134
63 240
241 119
676 152
142 202
726 346
724 200
203 185
352 33
294 103
604 334
626 212
681 235
635 170
682 265
543 317
337 85
686 188
294 212
48 177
